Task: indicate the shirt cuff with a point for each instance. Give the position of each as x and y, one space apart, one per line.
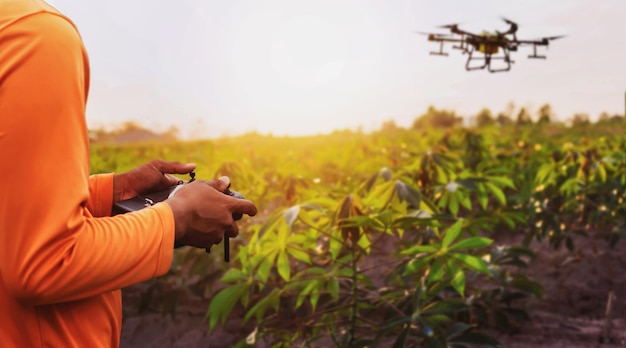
167 244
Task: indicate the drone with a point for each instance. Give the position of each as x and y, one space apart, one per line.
489 44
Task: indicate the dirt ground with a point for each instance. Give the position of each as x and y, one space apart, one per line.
572 313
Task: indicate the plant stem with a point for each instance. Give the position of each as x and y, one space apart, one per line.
355 295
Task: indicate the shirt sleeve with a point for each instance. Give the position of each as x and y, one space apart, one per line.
100 194
53 248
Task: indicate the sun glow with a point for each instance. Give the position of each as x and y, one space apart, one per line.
308 52
300 69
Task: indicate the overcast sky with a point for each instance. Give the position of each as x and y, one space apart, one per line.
304 67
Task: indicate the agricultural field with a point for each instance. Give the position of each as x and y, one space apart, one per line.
428 236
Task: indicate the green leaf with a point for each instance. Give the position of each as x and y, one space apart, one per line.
335 247
602 172
402 338
472 262
284 268
310 286
429 206
508 221
464 199
408 193
270 224
416 265
333 288
418 249
233 275
395 323
502 181
469 184
446 306
497 192
299 255
272 299
471 243
453 204
483 199
266 266
223 303
380 194
452 233
283 235
529 286
365 243
458 282
544 172
316 271
436 272
315 296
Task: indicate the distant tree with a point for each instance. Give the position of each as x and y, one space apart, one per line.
580 119
129 132
603 117
504 120
172 133
545 114
437 119
389 125
130 126
484 118
523 118
97 135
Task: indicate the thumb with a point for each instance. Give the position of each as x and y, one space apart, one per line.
220 184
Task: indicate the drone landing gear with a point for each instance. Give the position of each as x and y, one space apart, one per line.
534 55
507 67
476 67
507 61
462 46
487 59
441 52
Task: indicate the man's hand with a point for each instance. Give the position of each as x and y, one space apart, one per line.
150 177
203 214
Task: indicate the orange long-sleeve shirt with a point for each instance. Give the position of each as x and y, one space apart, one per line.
63 259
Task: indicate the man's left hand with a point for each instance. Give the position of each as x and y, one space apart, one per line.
150 177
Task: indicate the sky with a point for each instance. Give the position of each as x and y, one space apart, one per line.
299 67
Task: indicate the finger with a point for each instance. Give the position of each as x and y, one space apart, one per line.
167 167
232 231
170 180
244 206
220 184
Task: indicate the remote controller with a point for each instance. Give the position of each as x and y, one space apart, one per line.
140 202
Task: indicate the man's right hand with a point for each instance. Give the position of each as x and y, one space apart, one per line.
203 214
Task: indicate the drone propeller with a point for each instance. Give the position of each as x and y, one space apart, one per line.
449 26
512 29
508 21
441 35
550 38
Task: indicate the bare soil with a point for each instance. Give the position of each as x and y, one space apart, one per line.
572 313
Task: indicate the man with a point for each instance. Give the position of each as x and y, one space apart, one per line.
63 259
